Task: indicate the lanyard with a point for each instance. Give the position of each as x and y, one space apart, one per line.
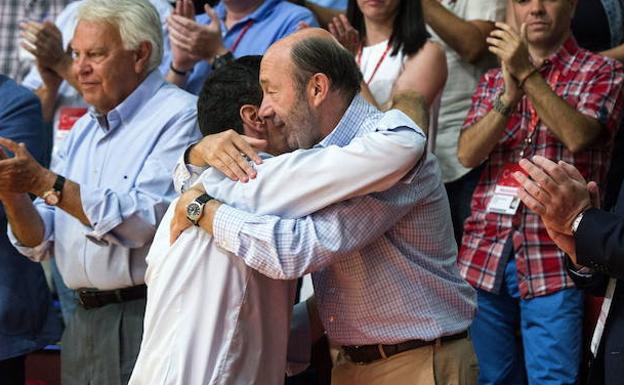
534 122
241 35
381 59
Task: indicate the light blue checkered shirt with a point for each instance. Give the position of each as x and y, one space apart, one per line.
384 265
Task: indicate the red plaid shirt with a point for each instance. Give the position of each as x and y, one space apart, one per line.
590 83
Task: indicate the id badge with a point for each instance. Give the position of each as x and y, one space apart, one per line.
505 199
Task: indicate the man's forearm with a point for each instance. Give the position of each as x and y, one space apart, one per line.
47 97
25 221
573 128
477 142
70 196
467 38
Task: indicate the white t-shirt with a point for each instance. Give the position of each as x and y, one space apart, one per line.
461 83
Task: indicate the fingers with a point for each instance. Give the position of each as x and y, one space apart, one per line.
594 194
17 149
243 144
236 163
524 195
523 33
188 9
214 19
537 174
257 145
572 171
339 26
551 168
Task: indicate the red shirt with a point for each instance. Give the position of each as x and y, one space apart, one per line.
593 85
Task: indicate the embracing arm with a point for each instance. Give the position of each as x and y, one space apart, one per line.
290 248
322 176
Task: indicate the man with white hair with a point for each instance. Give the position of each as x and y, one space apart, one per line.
109 187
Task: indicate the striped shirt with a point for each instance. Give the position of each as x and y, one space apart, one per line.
592 84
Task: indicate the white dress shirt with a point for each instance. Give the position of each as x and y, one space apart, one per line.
210 319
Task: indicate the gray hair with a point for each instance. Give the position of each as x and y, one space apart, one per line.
324 55
137 20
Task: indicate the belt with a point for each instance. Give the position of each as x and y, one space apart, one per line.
365 354
90 299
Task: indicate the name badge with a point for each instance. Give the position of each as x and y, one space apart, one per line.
505 199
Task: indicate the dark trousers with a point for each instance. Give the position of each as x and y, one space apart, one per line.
12 371
460 195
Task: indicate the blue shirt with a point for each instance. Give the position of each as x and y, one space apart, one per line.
384 265
340 5
123 163
273 20
27 320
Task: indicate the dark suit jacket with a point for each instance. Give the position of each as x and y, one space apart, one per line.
25 322
600 245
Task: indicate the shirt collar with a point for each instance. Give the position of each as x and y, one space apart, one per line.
260 13
124 112
564 55
349 124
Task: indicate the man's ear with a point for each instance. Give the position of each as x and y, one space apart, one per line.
253 125
318 88
142 55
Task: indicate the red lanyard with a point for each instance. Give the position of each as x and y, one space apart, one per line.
241 35
535 119
381 59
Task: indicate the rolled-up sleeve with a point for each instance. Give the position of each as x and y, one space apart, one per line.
41 251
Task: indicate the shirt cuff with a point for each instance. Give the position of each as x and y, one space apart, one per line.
227 225
185 175
37 254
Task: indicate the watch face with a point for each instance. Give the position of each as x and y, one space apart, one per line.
51 199
193 211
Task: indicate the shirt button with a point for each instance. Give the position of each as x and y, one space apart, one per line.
331 318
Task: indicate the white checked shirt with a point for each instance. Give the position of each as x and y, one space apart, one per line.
384 264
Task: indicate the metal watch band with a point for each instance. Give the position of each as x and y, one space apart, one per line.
500 107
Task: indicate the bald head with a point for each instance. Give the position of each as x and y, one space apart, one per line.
313 50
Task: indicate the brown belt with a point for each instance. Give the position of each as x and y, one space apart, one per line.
365 354
91 299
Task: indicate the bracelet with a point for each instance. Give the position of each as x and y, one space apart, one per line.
500 107
177 71
521 82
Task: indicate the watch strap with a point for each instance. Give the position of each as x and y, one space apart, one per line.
59 183
500 107
203 199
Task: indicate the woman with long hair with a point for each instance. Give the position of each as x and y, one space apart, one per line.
392 48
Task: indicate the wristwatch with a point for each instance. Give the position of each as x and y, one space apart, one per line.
500 107
577 222
53 196
221 60
195 209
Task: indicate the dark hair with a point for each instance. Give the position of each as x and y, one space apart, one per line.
225 91
409 31
323 55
